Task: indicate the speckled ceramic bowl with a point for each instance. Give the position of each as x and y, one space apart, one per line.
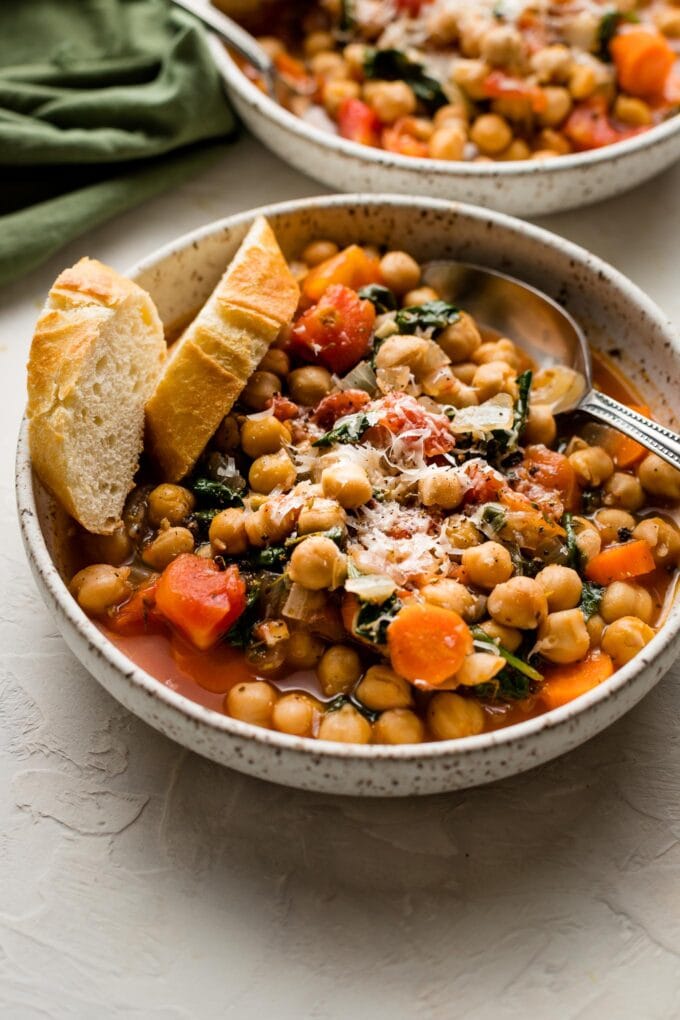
524 188
180 277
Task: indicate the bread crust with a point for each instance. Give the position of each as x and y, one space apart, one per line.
218 352
82 303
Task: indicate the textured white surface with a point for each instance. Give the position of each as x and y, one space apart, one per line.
140 881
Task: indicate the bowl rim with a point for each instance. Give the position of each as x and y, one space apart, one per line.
180 705
264 104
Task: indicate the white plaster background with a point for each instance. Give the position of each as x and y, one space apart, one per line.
139 881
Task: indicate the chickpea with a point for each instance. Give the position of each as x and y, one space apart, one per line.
595 627
588 538
451 113
321 515
662 538
347 483
308 385
544 154
461 339
227 438
269 523
487 564
336 91
592 465
419 296
295 713
318 42
461 532
553 63
228 532
410 351
624 638
338 670
517 149
519 602
492 378
611 522
172 503
450 594
479 668
167 546
317 252
563 637
260 389
442 488
345 726
252 702
541 426
503 46
114 548
498 350
470 76
562 586
659 478
100 587
448 141
272 471
398 726
554 140
491 133
509 637
557 105
582 81
381 688
624 598
400 272
623 490
303 650
317 563
465 372
329 65
633 111
355 57
450 716
263 435
271 45
390 100
275 361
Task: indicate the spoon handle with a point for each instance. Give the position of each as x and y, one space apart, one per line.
650 434
237 37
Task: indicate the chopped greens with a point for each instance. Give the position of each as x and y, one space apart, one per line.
348 430
434 315
522 403
394 65
350 699
272 557
591 500
215 494
240 635
382 299
199 521
514 661
610 22
591 596
494 516
336 535
508 685
573 553
373 619
347 20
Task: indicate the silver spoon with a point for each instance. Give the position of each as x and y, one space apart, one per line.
551 337
243 42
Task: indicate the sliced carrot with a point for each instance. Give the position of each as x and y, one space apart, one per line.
564 683
428 643
622 449
351 267
200 600
620 562
643 59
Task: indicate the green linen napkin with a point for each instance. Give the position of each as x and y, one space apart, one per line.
103 103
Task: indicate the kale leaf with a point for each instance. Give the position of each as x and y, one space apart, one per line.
272 557
382 299
514 662
394 65
591 596
349 430
336 535
215 494
610 22
522 403
574 555
350 699
240 634
432 315
374 618
508 685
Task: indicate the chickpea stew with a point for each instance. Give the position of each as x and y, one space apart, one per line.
390 538
452 80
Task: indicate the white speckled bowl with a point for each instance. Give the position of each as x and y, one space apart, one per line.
524 188
180 277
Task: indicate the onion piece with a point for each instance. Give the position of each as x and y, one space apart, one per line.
371 587
362 377
496 413
557 387
301 603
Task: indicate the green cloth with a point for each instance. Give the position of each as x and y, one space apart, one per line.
103 103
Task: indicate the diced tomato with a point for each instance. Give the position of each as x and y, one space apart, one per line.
483 486
352 267
293 72
398 138
284 409
498 85
199 599
358 122
337 405
590 127
548 470
405 417
411 7
335 332
138 615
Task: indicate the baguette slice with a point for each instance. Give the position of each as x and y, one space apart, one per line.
218 352
96 354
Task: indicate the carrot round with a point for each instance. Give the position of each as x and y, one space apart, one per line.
564 683
352 267
643 59
623 450
428 643
620 562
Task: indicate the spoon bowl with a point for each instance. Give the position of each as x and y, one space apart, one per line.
553 338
